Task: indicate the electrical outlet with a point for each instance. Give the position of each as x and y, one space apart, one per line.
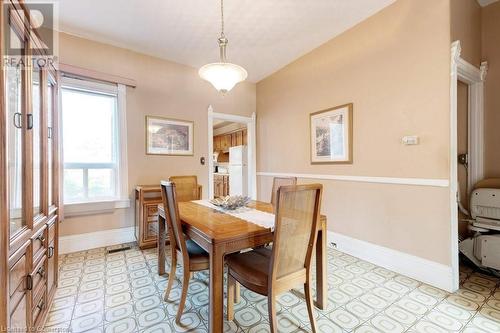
410 140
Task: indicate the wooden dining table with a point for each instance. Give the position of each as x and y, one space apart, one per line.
221 234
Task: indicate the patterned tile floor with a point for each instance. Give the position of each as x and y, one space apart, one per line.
121 292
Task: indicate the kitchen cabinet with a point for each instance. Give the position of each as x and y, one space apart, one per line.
221 185
225 141
217 143
244 137
29 186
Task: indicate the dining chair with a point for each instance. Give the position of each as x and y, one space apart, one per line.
192 257
270 272
187 188
281 181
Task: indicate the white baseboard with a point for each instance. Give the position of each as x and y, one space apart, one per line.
91 240
430 272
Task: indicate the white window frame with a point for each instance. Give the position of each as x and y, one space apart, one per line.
123 199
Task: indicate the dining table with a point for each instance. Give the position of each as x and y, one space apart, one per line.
221 234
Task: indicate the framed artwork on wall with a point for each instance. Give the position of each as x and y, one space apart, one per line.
169 136
331 135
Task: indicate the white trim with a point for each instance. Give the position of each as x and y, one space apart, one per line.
251 148
455 56
94 208
92 240
380 180
474 77
252 156
427 271
210 152
123 158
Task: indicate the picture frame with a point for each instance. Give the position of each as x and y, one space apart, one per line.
331 135
167 136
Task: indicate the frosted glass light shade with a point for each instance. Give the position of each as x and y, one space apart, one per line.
222 75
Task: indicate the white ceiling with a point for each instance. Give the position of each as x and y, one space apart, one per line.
485 3
220 123
264 35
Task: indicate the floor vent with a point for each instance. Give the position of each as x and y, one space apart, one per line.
119 250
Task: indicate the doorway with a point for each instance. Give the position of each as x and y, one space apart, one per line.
220 145
463 158
466 143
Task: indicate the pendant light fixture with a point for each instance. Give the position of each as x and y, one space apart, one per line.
223 75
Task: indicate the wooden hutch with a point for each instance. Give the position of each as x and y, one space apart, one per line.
29 176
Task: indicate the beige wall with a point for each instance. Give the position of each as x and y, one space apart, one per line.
491 53
466 27
164 89
394 67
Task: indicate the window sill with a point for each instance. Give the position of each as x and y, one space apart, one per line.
94 208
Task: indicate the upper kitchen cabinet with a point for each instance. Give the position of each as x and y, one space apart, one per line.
225 141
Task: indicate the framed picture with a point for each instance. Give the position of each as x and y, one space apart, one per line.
169 136
331 135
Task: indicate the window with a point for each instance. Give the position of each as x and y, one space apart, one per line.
94 143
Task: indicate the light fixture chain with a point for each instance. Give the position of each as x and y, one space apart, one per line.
222 17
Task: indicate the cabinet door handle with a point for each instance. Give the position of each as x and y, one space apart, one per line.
17 120
49 132
41 238
29 118
51 251
29 282
41 305
41 271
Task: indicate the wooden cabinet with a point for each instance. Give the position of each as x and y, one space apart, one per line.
147 199
18 318
217 143
225 141
221 185
236 138
29 187
244 137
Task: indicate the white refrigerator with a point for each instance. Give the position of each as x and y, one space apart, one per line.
238 171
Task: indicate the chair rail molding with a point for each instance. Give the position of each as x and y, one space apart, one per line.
364 179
